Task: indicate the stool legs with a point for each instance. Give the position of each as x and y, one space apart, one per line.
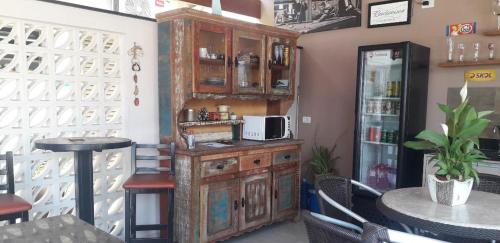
127 216
133 223
130 217
25 216
170 227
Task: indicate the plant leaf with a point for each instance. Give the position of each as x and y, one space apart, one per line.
433 137
482 114
475 129
420 145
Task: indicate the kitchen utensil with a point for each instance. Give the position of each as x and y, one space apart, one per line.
189 115
224 115
203 52
213 116
223 108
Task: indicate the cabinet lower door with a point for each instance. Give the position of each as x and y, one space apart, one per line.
255 193
285 198
219 210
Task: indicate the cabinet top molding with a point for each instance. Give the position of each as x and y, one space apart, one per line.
211 18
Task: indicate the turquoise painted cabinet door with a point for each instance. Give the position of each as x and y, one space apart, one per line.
285 198
219 210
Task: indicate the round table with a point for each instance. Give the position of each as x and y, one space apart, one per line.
478 218
83 148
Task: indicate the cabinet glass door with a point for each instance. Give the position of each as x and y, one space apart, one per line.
212 58
381 76
280 54
249 53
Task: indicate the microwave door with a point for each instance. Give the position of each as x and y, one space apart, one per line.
275 128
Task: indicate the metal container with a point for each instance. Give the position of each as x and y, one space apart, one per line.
189 115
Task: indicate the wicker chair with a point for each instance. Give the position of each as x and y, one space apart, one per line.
320 231
340 189
488 183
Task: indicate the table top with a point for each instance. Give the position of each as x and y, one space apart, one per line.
64 228
415 206
82 144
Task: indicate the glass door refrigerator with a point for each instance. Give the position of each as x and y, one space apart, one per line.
390 109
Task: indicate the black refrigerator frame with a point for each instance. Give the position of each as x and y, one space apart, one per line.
412 115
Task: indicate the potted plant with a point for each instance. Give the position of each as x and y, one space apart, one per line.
455 150
323 159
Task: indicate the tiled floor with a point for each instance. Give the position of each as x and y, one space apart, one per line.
285 232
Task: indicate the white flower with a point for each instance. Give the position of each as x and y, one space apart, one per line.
445 129
463 92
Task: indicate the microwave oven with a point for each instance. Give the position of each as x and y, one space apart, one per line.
264 128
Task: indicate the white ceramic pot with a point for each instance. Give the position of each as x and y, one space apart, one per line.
451 192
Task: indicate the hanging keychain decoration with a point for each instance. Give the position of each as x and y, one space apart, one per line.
135 52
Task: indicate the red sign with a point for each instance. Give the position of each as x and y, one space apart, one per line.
160 3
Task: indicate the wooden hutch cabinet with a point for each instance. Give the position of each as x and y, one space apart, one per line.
226 192
203 59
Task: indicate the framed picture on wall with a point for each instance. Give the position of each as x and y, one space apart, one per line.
389 13
307 16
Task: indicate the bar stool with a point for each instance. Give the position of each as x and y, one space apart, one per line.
12 207
148 180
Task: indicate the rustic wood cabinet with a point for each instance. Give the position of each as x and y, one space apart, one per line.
203 59
226 192
285 193
219 209
255 193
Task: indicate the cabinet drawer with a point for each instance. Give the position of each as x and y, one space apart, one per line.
219 167
284 157
255 161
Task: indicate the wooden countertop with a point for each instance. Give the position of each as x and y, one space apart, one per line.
242 145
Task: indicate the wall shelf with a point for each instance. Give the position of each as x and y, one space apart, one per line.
492 33
210 123
469 63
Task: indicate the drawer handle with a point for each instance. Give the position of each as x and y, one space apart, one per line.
242 202
276 194
288 156
257 161
235 204
220 167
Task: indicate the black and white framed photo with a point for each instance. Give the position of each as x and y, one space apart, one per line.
389 13
307 16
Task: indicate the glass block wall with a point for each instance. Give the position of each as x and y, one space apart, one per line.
59 81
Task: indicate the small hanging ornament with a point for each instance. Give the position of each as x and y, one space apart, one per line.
135 52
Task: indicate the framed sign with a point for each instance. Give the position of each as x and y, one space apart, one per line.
389 13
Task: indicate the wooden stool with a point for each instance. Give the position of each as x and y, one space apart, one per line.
12 207
147 180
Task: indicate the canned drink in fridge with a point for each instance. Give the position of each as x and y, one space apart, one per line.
383 137
369 106
190 141
377 134
370 134
389 136
388 89
397 89
395 136
378 107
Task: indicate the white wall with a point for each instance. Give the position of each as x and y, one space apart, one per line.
140 123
